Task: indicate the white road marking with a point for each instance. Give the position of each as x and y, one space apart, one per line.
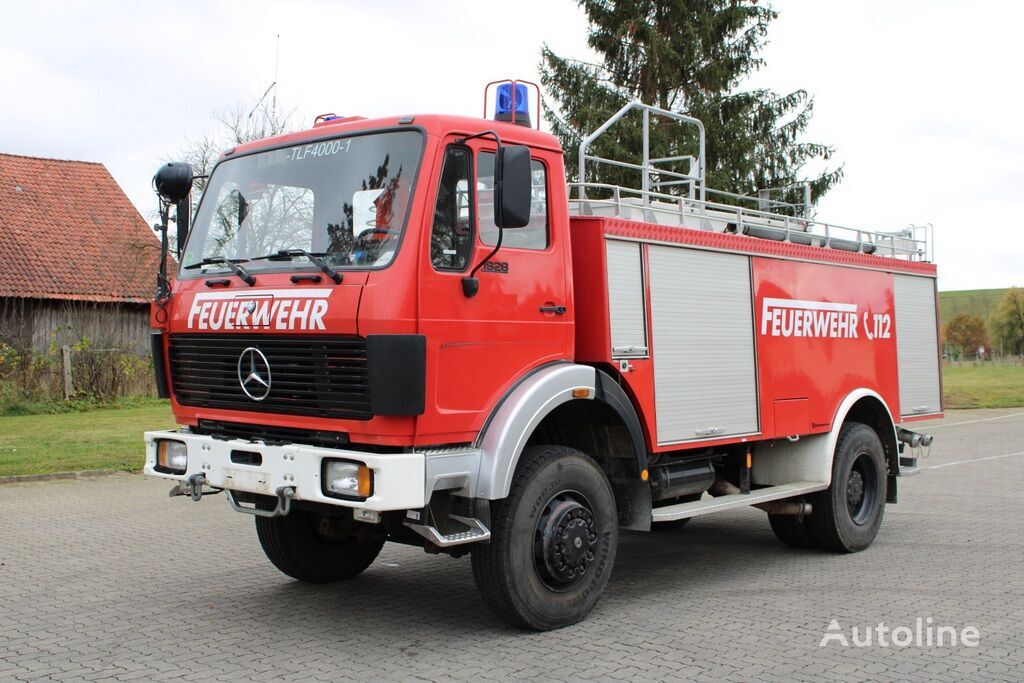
966 462
970 422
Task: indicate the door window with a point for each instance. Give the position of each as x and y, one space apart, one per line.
535 234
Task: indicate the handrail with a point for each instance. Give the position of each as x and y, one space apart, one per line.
646 164
900 244
905 243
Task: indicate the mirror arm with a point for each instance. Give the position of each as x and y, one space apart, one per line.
163 289
491 133
470 284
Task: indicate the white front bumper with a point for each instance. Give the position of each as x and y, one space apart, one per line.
398 478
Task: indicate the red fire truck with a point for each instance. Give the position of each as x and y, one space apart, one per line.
411 329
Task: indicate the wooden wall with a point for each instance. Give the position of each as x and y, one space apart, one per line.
36 323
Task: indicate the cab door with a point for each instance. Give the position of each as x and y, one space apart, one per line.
521 316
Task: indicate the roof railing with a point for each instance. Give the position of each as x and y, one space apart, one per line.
647 166
770 218
912 243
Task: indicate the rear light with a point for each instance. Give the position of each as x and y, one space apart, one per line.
171 456
345 479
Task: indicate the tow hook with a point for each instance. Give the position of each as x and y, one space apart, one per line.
193 488
284 504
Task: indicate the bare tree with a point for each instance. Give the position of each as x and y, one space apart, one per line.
237 125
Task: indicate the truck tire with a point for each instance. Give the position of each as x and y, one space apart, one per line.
846 516
295 546
552 543
791 530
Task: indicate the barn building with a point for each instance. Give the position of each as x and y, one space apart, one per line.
76 258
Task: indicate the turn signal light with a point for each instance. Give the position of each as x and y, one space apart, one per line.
349 479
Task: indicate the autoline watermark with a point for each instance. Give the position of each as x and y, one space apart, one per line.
923 633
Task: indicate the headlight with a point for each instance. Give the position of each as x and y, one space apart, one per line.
171 456
349 479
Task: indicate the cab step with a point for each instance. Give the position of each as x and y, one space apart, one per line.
476 532
708 505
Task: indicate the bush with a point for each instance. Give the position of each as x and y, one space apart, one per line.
33 383
106 374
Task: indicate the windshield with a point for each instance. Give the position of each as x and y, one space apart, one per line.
346 198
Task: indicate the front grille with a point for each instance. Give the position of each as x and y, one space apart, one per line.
271 435
319 376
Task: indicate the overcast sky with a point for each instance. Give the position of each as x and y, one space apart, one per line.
917 96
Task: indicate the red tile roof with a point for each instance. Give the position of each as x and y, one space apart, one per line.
67 231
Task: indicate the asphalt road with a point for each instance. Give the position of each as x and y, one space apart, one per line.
110 579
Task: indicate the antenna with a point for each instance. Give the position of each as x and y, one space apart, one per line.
273 84
277 61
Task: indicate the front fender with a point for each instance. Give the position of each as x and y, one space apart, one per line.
505 435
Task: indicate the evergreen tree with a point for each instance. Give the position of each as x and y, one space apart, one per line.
688 56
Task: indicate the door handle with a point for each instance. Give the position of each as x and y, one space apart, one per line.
557 310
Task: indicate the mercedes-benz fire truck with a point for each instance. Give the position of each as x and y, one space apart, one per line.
411 329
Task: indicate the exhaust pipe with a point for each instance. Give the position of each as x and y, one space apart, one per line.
785 507
773 507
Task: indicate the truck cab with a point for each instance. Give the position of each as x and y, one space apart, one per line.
403 210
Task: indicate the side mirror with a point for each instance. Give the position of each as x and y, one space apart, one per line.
173 181
512 190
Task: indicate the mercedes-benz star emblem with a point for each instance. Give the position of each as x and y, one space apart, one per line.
254 373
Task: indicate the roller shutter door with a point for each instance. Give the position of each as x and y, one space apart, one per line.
917 345
626 310
703 344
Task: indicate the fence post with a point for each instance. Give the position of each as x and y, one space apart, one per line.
65 353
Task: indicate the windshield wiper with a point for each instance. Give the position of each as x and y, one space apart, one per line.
314 258
238 270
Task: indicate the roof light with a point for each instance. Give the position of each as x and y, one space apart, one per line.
503 106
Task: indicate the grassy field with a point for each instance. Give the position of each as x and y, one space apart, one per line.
988 386
108 439
981 302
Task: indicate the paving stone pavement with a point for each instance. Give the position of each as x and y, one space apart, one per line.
110 579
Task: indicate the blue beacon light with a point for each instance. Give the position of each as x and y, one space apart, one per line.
503 104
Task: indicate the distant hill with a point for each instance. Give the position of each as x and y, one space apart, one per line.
981 302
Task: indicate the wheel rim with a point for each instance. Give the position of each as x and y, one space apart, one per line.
565 540
862 489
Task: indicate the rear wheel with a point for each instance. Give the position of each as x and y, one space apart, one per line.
552 543
791 530
307 547
846 516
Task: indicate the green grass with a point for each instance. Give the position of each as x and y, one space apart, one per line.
107 439
987 386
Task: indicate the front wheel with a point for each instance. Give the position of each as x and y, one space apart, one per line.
305 546
846 516
552 543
